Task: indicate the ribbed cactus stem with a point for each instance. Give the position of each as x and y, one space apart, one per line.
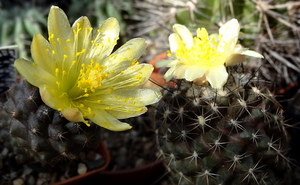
234 135
43 133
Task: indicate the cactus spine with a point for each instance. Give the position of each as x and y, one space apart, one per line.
42 132
231 136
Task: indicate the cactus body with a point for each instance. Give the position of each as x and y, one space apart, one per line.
42 132
231 136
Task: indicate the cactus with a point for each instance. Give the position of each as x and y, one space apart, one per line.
232 136
43 133
219 124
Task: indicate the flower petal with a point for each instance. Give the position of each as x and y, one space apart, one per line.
251 53
170 73
105 38
165 63
33 73
42 58
133 76
235 59
229 33
128 114
125 103
132 98
104 119
239 55
73 114
134 101
82 33
230 30
217 76
180 71
58 23
194 72
53 98
126 55
185 35
174 41
147 96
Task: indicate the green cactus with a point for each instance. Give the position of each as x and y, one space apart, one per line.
232 136
43 133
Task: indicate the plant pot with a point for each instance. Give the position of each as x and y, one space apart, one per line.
144 175
88 177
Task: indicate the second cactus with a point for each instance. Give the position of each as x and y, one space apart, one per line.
229 132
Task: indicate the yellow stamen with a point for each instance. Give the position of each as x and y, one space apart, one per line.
91 76
202 53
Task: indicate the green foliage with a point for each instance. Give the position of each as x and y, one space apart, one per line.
20 20
18 26
98 11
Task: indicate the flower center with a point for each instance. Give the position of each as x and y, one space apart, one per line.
204 51
91 76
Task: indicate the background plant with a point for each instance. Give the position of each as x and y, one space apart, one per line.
19 24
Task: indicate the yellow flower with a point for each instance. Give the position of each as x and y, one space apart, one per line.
205 56
78 75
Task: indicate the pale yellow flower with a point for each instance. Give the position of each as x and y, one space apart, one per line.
77 74
205 56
